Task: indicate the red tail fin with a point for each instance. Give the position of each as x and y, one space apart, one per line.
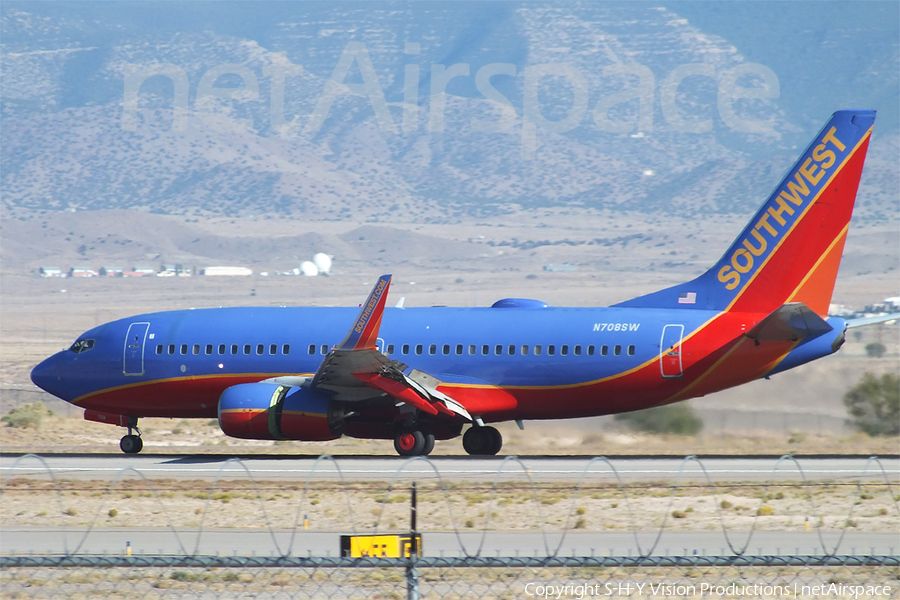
791 249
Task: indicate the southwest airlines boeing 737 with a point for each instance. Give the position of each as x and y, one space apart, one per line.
415 375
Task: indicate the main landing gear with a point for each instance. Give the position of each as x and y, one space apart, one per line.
482 440
132 444
412 441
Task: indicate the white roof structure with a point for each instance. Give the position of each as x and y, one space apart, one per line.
227 271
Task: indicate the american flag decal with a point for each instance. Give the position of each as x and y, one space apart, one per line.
687 298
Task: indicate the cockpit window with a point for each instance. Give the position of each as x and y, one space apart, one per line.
81 346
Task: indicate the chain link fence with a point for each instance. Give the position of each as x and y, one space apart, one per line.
451 578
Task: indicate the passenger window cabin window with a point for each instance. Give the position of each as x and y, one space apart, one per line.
551 350
485 350
159 348
324 349
247 348
564 350
604 350
512 349
630 350
171 348
390 349
234 348
432 349
209 348
524 349
273 348
312 349
286 349
590 350
498 349
446 349
617 350
537 350
221 348
459 348
418 348
577 350
196 349
184 348
471 349
404 349
260 348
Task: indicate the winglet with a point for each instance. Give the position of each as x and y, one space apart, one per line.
364 333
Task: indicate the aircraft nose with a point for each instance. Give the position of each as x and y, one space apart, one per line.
48 376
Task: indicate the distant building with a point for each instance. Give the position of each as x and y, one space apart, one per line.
51 272
111 271
140 272
888 306
83 272
173 271
226 271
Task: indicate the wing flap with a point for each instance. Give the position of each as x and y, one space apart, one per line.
399 391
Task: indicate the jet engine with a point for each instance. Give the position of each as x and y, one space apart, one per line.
269 411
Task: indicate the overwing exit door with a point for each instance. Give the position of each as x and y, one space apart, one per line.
133 362
670 351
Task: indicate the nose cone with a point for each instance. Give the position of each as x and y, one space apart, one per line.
48 375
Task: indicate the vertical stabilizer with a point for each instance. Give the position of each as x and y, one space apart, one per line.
791 250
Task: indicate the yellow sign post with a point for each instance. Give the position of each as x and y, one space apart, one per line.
389 546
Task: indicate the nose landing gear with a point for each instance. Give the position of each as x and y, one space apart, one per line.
132 444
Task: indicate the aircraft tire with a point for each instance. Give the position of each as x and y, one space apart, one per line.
409 442
131 444
484 441
496 439
429 444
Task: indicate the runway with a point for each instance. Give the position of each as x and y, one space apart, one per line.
384 468
259 542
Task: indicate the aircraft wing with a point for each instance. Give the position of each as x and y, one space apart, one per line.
789 322
356 371
872 320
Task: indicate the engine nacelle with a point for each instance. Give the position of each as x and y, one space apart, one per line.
269 411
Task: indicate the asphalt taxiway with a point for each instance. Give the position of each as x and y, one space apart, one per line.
387 468
262 542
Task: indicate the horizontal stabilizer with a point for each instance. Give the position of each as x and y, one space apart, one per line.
851 323
789 322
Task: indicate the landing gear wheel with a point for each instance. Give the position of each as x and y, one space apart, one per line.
429 444
410 442
497 441
485 441
131 444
